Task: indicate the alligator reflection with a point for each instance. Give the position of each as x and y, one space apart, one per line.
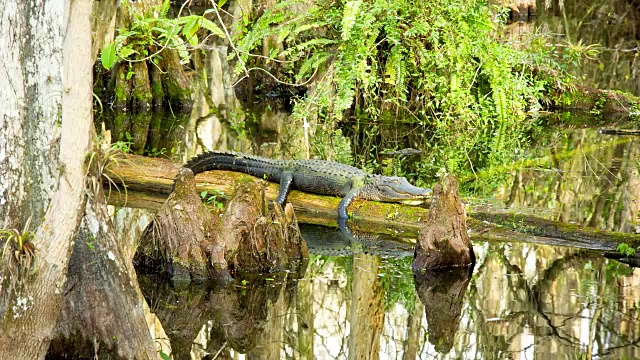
330 241
442 294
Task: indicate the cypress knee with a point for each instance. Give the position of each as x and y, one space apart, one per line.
443 241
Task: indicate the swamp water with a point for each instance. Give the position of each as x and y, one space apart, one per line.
360 300
521 301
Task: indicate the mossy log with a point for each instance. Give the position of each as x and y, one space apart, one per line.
149 181
604 101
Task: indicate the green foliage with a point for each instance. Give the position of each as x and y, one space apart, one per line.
443 64
108 55
211 199
333 146
18 252
148 34
626 250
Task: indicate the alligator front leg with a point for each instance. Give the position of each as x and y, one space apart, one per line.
344 204
286 179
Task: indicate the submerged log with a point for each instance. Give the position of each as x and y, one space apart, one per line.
190 242
443 241
149 180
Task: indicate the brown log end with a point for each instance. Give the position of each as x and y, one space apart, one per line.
258 240
180 234
443 241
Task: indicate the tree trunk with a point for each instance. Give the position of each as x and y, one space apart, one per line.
102 311
444 241
31 100
52 75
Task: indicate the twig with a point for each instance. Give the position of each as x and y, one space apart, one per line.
224 28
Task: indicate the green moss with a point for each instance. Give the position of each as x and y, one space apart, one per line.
156 90
175 93
141 95
120 93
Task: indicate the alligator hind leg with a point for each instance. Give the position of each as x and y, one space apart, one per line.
286 179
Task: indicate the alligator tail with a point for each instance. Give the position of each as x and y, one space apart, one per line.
248 164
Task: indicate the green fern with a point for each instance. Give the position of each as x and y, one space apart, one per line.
311 64
164 9
441 63
351 9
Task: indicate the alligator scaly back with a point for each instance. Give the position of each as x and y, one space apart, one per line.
312 176
268 169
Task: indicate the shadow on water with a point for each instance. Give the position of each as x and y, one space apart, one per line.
442 294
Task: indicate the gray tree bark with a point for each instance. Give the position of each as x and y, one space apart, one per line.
31 96
46 100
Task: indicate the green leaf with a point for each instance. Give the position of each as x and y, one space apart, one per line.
221 3
189 31
212 27
125 51
351 10
164 356
203 194
108 56
164 9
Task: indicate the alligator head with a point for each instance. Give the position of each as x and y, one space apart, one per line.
393 189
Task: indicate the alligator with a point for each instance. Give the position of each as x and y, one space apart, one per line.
314 176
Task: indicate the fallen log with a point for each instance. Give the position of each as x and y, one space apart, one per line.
145 183
621 132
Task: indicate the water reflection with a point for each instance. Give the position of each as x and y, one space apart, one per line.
579 176
521 301
442 294
612 24
151 134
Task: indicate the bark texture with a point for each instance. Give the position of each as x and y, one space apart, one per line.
443 241
27 329
245 237
31 39
102 309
